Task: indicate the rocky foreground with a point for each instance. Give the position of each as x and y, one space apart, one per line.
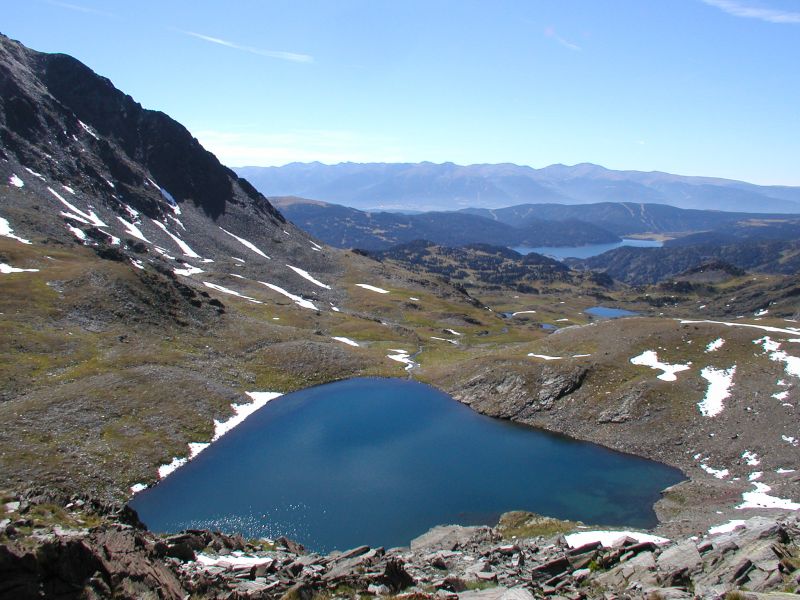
79 549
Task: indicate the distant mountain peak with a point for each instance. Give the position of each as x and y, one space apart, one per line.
449 186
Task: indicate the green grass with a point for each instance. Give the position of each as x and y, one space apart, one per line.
521 524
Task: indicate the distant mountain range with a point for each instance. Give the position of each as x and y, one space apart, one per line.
428 186
531 225
345 227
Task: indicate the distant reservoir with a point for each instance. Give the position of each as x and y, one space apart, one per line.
562 252
380 461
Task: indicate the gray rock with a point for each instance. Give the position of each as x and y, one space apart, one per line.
479 566
449 537
498 593
666 593
377 590
679 557
581 574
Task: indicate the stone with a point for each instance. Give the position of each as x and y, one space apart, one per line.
498 593
590 547
681 556
479 566
290 545
377 590
581 574
550 569
453 584
666 593
449 537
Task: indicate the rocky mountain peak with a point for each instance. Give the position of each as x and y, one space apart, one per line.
53 102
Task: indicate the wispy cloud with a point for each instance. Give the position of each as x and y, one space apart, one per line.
290 56
552 34
78 8
748 11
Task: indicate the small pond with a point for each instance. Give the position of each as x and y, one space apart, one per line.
605 312
380 461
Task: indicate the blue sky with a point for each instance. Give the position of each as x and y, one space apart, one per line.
696 87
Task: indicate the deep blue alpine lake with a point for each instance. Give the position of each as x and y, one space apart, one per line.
380 461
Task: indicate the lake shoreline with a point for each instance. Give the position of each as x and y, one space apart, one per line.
372 424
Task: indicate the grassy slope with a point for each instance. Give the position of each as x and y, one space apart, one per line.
111 372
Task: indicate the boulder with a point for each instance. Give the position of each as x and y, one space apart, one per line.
680 557
449 537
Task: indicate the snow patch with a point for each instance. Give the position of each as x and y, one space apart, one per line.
299 300
137 263
726 527
138 487
68 189
187 251
523 312
441 339
163 253
88 129
305 275
176 221
715 345
245 243
789 440
607 538
15 181
35 174
751 458
6 231
225 290
718 473
760 499
784 471
89 218
791 363
165 470
372 288
453 332
345 340
545 356
403 357
78 233
133 230
649 358
189 270
6 269
242 411
414 299
719 385
749 325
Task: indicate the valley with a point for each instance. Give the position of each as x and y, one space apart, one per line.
150 294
